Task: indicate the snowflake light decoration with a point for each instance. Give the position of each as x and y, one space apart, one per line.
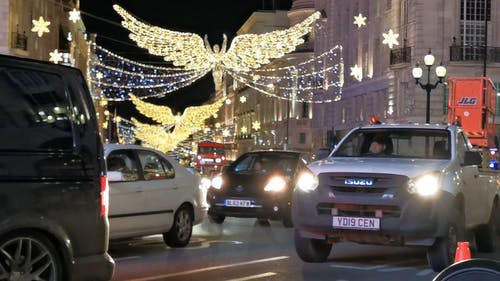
244 130
357 72
390 38
243 99
74 15
256 125
55 56
359 20
40 26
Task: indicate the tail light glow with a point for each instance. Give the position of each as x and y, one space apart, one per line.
104 196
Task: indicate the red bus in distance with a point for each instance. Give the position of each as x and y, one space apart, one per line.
211 156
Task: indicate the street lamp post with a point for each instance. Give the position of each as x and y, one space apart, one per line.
428 87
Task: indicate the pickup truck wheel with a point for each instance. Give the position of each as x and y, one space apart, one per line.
182 228
311 250
486 234
442 253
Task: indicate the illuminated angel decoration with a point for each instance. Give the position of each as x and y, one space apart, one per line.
193 117
247 52
173 128
159 137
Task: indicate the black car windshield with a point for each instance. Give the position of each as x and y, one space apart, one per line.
397 142
285 163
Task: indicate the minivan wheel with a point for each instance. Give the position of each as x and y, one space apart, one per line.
311 250
29 257
182 228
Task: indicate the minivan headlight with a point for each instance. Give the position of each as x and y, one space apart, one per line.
307 181
426 185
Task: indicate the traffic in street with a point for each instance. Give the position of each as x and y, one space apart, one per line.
246 249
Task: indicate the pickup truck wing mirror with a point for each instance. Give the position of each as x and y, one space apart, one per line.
115 176
472 158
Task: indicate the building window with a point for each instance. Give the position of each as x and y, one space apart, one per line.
302 138
305 110
474 14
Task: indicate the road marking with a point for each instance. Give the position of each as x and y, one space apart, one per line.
256 276
207 269
358 267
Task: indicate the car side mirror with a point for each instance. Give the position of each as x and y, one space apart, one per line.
472 158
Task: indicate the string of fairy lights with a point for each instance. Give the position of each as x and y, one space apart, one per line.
117 76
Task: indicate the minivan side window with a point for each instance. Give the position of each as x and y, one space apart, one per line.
35 112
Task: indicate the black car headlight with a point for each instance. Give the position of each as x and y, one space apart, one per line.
217 182
276 183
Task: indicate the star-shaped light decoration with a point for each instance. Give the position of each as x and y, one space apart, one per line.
244 130
217 125
55 56
74 15
225 133
228 101
99 75
357 72
243 99
390 38
359 20
256 125
40 26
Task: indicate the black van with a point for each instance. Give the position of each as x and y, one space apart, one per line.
53 185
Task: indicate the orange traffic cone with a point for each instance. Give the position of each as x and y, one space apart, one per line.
463 252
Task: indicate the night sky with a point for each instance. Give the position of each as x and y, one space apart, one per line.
211 17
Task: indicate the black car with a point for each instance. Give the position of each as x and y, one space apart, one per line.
258 184
53 185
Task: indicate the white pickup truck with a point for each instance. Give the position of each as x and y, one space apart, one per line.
426 189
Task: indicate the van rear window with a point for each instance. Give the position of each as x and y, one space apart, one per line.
35 112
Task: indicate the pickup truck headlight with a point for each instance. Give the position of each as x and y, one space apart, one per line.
275 184
426 185
307 181
217 182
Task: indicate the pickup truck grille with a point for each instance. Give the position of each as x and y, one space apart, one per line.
362 183
358 210
358 189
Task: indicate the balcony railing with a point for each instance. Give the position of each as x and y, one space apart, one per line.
401 55
19 41
474 53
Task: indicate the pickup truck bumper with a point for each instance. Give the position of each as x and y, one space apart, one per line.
403 218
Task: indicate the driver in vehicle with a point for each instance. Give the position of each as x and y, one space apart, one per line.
380 145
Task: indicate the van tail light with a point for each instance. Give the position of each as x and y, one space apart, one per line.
104 196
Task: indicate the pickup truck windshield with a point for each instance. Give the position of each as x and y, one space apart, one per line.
400 143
